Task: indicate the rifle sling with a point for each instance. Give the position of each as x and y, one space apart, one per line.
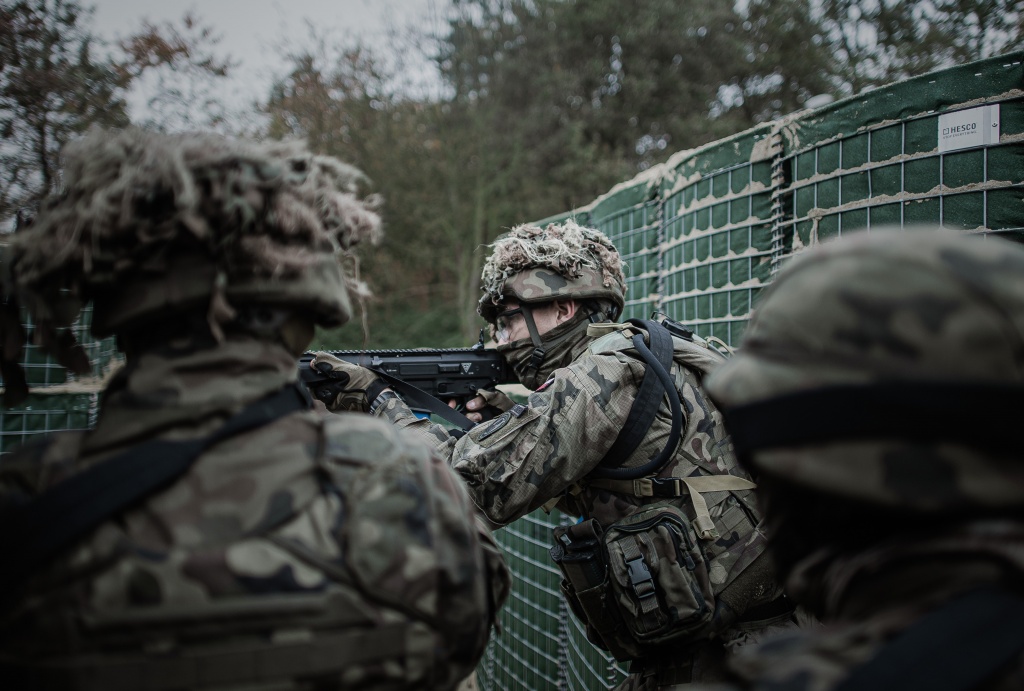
416 397
52 522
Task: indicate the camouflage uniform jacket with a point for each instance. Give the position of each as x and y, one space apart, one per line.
319 550
521 460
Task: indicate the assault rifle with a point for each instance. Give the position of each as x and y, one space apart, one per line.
420 374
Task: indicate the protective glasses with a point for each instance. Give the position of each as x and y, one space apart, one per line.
503 324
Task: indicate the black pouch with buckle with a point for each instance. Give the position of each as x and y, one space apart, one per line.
640 584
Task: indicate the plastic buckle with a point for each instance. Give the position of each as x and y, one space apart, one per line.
638 572
667 487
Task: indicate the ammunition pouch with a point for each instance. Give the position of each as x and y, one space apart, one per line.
639 584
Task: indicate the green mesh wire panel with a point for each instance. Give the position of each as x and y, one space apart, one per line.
60 401
41 370
541 646
717 247
876 160
630 217
703 234
45 413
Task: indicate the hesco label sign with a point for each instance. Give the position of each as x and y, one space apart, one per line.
967 128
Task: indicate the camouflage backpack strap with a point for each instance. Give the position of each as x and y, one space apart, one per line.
656 382
40 529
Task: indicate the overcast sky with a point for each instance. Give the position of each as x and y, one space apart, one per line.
252 30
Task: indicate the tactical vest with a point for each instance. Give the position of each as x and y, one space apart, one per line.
660 575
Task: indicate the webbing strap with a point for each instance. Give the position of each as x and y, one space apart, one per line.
957 647
328 653
674 487
704 526
642 582
39 530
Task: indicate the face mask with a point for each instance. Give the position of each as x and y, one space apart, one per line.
560 347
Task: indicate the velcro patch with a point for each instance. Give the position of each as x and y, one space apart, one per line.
496 425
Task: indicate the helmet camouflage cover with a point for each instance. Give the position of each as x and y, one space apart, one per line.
149 224
566 260
887 319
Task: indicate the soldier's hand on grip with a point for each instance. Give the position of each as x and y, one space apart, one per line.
487 404
347 388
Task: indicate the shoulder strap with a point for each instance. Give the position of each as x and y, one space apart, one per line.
656 382
957 647
34 533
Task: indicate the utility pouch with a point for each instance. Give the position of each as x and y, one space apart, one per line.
579 554
658 576
647 586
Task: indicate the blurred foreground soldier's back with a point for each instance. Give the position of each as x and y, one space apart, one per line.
878 398
213 531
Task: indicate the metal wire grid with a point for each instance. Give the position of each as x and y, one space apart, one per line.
47 411
541 646
635 233
46 414
42 371
717 249
892 174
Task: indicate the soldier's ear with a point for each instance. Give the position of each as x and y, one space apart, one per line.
565 310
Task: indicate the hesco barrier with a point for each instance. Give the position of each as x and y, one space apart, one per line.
703 233
58 400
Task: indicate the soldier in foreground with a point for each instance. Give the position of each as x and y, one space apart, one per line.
213 531
877 398
668 568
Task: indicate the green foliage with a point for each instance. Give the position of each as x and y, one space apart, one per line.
880 41
406 327
437 164
56 81
52 87
183 75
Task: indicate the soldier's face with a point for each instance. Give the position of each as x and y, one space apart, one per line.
511 326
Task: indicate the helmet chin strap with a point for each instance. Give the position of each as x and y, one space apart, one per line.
537 359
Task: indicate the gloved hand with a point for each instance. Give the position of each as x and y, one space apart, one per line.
347 385
487 404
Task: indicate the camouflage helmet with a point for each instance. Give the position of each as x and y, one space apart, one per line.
561 260
150 224
887 368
